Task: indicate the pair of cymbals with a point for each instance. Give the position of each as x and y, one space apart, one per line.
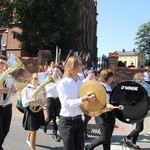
97 107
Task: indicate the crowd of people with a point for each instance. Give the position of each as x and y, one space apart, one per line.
62 101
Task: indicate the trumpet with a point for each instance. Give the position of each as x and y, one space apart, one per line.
39 94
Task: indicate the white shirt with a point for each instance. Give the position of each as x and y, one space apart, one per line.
27 94
9 81
51 89
146 76
108 91
68 94
86 79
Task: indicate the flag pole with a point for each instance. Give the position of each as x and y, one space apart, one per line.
56 54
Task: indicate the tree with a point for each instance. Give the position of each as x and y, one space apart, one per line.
121 64
6 10
45 24
143 38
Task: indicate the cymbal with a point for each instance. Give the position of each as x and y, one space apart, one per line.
97 107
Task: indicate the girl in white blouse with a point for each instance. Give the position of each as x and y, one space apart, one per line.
31 120
105 121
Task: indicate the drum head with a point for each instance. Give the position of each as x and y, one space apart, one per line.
134 97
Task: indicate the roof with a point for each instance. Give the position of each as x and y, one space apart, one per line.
128 53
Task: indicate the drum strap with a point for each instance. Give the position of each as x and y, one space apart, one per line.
108 92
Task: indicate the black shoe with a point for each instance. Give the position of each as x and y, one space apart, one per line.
87 147
127 142
135 146
45 129
86 137
56 137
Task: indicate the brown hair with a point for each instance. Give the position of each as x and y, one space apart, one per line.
56 66
105 75
3 57
72 63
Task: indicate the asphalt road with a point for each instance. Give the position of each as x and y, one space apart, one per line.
16 138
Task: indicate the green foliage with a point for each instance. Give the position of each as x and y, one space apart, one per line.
143 38
6 10
121 64
46 23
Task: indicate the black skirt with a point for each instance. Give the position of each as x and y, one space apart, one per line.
32 121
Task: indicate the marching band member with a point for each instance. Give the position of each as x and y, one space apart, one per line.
147 74
52 102
71 126
139 125
6 92
31 120
106 120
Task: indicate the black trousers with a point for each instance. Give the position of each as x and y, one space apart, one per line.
5 120
135 133
72 134
53 106
106 122
86 120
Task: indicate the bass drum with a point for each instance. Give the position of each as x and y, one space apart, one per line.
134 96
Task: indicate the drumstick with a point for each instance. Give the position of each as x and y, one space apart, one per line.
120 107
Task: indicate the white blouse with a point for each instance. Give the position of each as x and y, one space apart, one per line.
146 76
27 94
108 91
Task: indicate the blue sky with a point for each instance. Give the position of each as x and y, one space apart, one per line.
118 23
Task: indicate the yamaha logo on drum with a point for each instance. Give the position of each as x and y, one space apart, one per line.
129 88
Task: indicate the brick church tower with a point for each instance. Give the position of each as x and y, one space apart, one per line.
88 25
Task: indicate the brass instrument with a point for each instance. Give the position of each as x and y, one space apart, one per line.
40 95
17 65
97 107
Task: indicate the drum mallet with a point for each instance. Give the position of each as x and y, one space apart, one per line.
120 107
